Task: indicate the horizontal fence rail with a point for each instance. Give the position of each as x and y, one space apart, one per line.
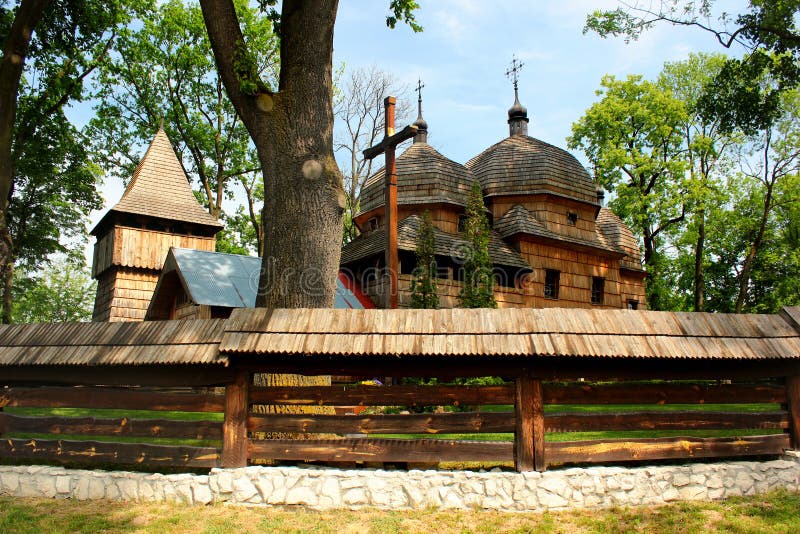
529 420
46 434
383 395
533 410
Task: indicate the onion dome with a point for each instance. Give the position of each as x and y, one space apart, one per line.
522 165
517 117
420 123
424 176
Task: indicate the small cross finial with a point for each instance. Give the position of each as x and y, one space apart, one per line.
420 85
513 71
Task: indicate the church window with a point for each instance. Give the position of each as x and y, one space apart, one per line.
462 223
551 283
633 304
372 224
572 218
598 288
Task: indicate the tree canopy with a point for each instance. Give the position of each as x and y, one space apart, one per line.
47 183
767 31
163 71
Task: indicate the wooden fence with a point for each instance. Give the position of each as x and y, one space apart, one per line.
527 410
74 448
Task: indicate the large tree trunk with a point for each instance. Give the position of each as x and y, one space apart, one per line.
293 134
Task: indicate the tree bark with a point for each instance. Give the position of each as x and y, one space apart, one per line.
755 246
699 252
293 134
8 298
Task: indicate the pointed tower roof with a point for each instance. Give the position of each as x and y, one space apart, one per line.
160 189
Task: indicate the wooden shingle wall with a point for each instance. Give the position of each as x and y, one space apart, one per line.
123 294
552 213
137 247
575 284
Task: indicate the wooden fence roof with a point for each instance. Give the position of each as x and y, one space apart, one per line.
120 343
512 332
549 332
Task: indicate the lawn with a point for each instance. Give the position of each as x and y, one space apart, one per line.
777 512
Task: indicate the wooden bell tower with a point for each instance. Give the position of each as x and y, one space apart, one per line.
157 211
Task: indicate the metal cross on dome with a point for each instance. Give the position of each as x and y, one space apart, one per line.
420 85
513 71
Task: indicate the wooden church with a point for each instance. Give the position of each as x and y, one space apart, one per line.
552 242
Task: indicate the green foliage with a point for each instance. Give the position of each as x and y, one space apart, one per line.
424 289
403 10
53 182
767 29
478 279
246 67
169 49
633 137
61 291
55 189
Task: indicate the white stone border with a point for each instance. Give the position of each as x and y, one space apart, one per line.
323 488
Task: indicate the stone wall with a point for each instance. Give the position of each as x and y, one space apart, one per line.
323 488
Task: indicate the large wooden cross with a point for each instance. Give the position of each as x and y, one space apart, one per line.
387 146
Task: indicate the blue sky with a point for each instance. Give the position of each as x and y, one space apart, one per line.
466 47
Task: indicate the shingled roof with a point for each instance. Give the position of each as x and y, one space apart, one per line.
121 343
550 332
611 229
160 189
522 165
424 176
521 332
519 220
445 244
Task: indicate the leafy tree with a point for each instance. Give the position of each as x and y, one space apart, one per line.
478 279
424 289
770 166
361 120
633 137
706 148
55 189
46 185
767 29
164 71
292 129
242 232
61 291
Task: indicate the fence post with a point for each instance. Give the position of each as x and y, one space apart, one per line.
793 404
234 427
529 417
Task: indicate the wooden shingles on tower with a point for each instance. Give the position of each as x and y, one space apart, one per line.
158 210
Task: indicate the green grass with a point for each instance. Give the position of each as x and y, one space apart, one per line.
772 513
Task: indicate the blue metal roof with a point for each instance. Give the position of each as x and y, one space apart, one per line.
231 280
